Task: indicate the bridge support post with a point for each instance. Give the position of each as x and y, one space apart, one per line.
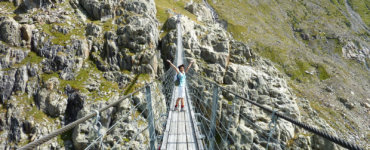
152 136
213 117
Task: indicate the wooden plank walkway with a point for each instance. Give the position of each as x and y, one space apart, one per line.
180 133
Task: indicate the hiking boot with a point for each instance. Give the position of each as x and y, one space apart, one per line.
182 109
176 109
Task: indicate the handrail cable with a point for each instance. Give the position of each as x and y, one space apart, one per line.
309 128
68 127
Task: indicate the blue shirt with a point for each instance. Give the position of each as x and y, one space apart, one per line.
182 78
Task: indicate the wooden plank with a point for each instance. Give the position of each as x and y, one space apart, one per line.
189 132
197 133
172 137
169 118
181 130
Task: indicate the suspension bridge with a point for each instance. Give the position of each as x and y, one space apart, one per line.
202 126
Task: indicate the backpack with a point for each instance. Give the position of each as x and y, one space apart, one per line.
177 80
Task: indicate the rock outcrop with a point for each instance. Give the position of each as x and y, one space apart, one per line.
62 60
10 31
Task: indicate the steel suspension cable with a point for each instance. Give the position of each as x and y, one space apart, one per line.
68 127
309 128
114 125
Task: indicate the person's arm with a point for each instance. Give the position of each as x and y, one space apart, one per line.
173 66
187 69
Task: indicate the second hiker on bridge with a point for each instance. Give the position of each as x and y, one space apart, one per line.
180 82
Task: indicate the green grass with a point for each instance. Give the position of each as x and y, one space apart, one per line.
62 39
274 54
32 111
8 7
176 6
322 73
24 99
238 31
332 117
64 137
362 7
136 83
81 79
32 58
107 25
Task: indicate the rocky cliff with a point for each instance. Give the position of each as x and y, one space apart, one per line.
61 59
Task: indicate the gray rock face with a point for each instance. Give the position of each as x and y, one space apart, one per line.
98 9
29 4
21 78
201 11
10 56
10 31
322 144
93 30
87 131
66 59
132 46
240 53
26 33
49 101
75 103
138 34
7 81
361 53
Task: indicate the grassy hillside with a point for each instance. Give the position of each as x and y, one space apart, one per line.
305 40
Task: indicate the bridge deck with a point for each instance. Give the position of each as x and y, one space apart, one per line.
180 132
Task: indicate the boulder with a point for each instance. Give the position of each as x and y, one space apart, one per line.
10 31
86 132
199 10
93 30
246 135
97 9
26 32
21 78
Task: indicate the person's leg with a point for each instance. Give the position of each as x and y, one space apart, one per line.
182 102
177 102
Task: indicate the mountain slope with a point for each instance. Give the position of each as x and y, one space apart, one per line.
61 59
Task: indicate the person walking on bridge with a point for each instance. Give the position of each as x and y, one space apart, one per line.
181 77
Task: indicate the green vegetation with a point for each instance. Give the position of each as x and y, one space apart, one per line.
275 54
62 39
81 79
291 141
362 7
64 137
32 58
7 7
38 115
260 26
107 25
32 111
136 83
322 73
24 99
334 118
126 72
176 6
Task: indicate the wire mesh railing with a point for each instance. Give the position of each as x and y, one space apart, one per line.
140 115
217 117
266 132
